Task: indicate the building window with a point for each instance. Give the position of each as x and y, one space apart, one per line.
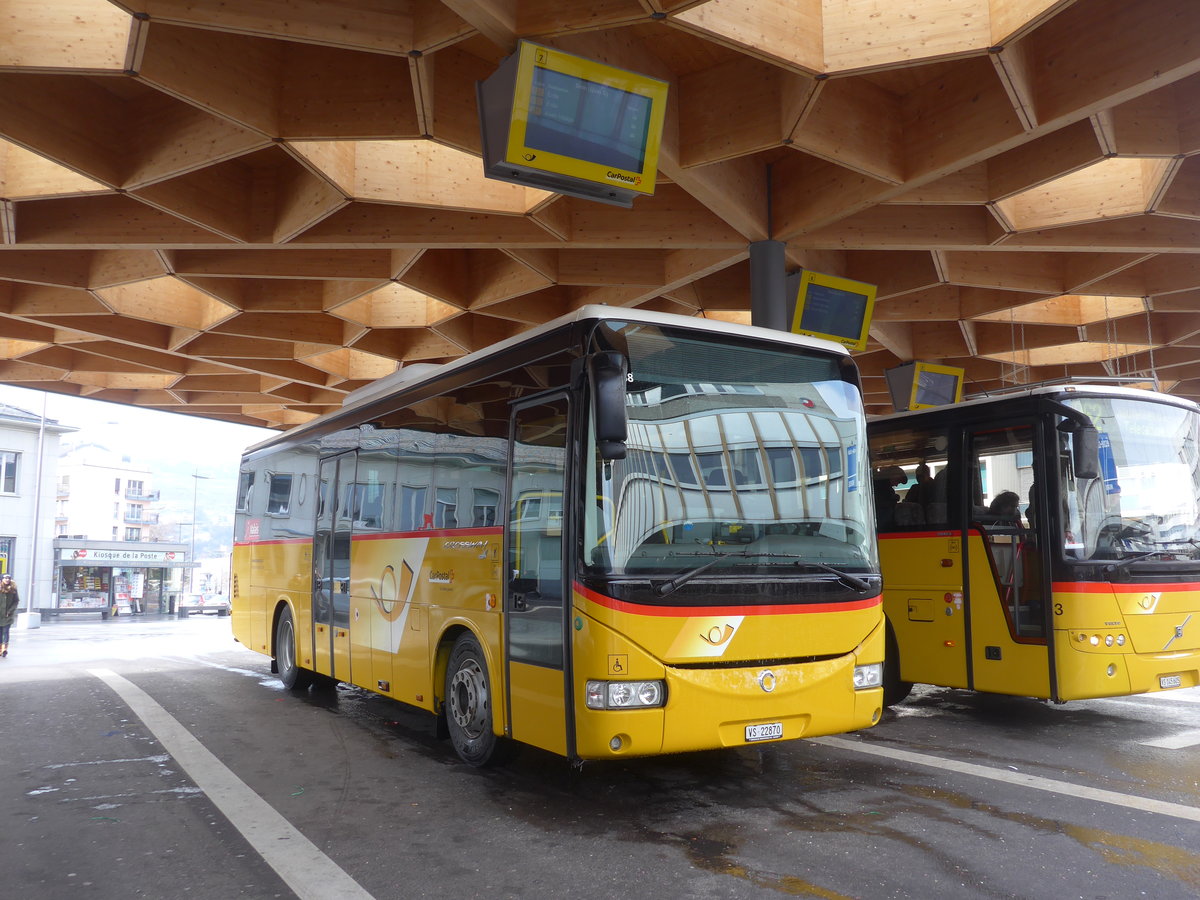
483 510
279 495
135 513
133 488
412 507
133 534
8 471
117 486
445 510
245 483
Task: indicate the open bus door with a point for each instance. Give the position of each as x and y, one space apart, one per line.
1007 584
331 567
537 600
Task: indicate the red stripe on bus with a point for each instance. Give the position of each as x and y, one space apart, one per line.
1103 587
374 536
429 532
684 612
276 541
892 536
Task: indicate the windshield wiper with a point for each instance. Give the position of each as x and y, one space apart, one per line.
1122 563
671 584
665 587
859 584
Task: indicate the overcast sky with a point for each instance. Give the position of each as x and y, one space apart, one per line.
142 434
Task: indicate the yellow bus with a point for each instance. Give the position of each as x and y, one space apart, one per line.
1043 542
622 533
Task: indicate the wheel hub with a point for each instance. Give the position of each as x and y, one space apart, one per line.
468 697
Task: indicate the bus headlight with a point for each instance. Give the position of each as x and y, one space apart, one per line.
625 694
870 676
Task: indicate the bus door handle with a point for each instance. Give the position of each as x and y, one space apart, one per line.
520 602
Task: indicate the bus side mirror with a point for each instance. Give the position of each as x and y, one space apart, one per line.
607 375
1085 446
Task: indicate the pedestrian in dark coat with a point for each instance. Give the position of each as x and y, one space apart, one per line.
9 601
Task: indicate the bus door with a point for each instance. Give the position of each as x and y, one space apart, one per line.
537 601
1006 584
331 567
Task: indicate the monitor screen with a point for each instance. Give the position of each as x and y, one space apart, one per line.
833 308
587 120
830 310
935 388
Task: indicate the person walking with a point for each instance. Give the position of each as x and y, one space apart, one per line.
9 601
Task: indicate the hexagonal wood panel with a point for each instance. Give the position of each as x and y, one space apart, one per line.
247 210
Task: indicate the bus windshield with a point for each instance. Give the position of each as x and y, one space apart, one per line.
1145 503
740 455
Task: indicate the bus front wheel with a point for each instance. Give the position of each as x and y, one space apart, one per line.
290 673
468 704
894 690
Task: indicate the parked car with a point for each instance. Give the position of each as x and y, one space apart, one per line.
202 603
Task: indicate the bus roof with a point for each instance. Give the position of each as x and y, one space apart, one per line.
1054 390
412 376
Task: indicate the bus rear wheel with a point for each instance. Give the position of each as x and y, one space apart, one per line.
290 673
468 704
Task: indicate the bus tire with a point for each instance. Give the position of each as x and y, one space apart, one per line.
894 690
293 676
468 704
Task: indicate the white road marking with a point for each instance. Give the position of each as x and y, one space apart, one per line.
1128 801
1178 741
1187 695
307 871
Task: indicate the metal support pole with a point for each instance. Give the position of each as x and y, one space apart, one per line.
32 618
768 294
190 573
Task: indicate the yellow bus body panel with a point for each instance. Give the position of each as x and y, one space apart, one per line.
1023 669
1161 627
930 630
539 706
409 593
919 600
709 706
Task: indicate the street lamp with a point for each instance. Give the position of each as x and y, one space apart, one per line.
196 476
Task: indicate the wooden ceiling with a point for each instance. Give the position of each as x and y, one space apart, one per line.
244 210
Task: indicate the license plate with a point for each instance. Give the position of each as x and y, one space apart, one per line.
768 731
1164 681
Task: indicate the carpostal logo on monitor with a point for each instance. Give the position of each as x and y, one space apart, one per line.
631 180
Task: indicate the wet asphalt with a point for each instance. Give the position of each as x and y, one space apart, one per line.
93 804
